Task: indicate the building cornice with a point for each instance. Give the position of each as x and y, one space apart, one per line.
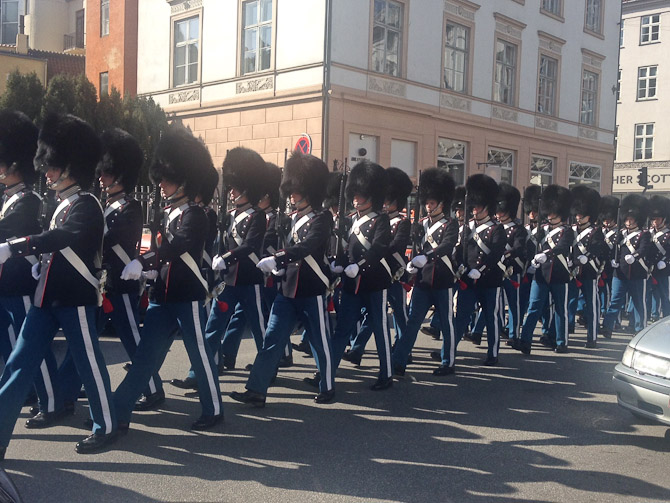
632 6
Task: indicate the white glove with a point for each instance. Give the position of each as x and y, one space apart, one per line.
661 265
351 270
35 270
411 269
629 259
336 269
531 269
540 258
267 264
474 274
279 273
5 253
218 263
534 264
132 271
419 261
615 264
150 275
582 259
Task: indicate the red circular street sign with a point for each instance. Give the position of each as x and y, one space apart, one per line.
304 144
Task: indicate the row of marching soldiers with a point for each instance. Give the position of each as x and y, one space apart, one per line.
271 272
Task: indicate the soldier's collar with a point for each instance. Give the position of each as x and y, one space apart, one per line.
177 203
394 214
304 211
116 197
13 189
243 207
269 210
365 212
435 218
585 226
483 220
67 192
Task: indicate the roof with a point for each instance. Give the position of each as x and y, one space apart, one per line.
60 63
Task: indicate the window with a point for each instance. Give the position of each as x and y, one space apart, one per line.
644 141
650 27
456 48
403 155
584 174
104 83
186 51
618 86
257 36
646 82
104 18
451 156
552 6
504 159
387 37
9 14
542 170
589 98
594 12
621 35
505 77
546 93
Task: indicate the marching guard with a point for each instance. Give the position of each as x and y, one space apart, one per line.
608 217
552 268
302 268
434 272
68 290
176 300
659 215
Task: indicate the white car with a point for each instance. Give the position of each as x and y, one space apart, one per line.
642 379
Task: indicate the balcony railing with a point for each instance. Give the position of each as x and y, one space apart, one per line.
73 41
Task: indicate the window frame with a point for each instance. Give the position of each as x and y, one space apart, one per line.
104 20
512 169
273 38
556 81
402 46
467 73
599 180
534 172
594 30
14 24
645 137
515 85
196 13
651 25
647 79
618 86
100 88
442 161
557 13
596 92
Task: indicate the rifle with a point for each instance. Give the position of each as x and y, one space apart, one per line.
281 212
155 216
341 212
416 224
617 242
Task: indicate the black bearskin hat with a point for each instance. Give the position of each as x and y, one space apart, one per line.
459 198
636 206
272 183
608 208
438 185
180 158
332 199
306 175
556 200
245 170
70 144
367 179
398 187
122 157
585 201
18 143
482 190
209 181
531 199
508 199
659 207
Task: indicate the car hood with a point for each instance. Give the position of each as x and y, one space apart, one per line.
655 339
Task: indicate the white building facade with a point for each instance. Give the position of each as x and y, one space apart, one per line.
643 122
519 89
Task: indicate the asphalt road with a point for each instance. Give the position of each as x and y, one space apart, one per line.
540 428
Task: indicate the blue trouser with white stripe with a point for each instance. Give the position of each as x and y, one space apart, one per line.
285 314
161 322
589 291
39 329
13 312
422 300
539 298
125 318
661 289
375 304
396 298
637 289
489 300
511 286
250 299
605 293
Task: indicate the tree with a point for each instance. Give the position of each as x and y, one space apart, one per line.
24 93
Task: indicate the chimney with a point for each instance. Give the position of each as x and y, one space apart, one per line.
21 44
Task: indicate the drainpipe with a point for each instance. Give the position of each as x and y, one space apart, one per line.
616 102
325 95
